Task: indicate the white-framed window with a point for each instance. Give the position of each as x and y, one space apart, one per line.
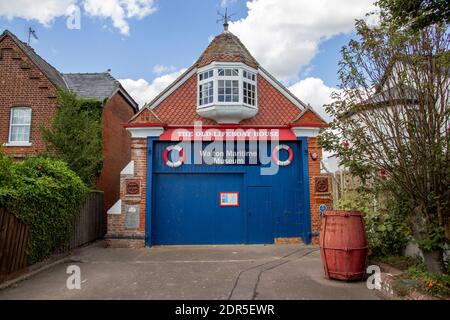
205 75
228 72
249 75
20 126
249 88
249 93
223 83
206 93
206 87
228 91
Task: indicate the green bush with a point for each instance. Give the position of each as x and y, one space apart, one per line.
387 229
46 195
400 262
75 135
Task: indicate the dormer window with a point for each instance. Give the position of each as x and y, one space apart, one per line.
227 92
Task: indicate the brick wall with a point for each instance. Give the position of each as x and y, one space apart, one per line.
23 85
118 234
116 147
316 197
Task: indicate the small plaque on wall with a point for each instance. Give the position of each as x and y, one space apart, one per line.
132 217
321 184
229 199
133 187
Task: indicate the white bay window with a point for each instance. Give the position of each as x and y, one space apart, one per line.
227 92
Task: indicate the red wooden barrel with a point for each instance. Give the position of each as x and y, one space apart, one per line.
343 245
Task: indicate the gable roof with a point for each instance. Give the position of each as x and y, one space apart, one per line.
91 85
99 86
47 69
176 104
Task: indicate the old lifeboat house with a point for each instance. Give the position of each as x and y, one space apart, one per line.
224 155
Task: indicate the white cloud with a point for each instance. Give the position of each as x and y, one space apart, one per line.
285 35
144 92
315 92
161 69
119 11
43 11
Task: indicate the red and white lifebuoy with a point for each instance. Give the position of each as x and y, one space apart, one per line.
275 155
180 151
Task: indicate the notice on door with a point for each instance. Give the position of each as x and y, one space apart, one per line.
229 199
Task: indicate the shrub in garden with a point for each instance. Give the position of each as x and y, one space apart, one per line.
45 194
75 135
386 227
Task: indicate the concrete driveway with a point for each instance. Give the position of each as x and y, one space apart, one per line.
191 272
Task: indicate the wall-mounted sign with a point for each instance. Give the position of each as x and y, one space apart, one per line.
133 187
229 157
322 209
229 199
209 134
132 217
321 184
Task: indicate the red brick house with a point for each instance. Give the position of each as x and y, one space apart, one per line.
168 196
28 89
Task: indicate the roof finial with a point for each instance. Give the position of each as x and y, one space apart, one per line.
225 18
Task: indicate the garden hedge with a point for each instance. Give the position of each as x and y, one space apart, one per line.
45 194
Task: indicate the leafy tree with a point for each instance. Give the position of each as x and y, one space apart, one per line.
75 135
417 14
391 122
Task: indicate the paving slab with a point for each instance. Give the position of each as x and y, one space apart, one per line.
191 272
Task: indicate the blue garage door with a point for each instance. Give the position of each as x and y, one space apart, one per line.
188 209
184 204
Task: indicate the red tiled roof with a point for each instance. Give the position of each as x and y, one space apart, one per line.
309 118
146 116
180 108
274 107
226 47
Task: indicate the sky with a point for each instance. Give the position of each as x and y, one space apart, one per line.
147 43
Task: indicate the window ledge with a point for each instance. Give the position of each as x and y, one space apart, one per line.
17 144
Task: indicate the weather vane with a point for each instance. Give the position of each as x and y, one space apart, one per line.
31 32
225 18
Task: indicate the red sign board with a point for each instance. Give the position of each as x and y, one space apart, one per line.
187 134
